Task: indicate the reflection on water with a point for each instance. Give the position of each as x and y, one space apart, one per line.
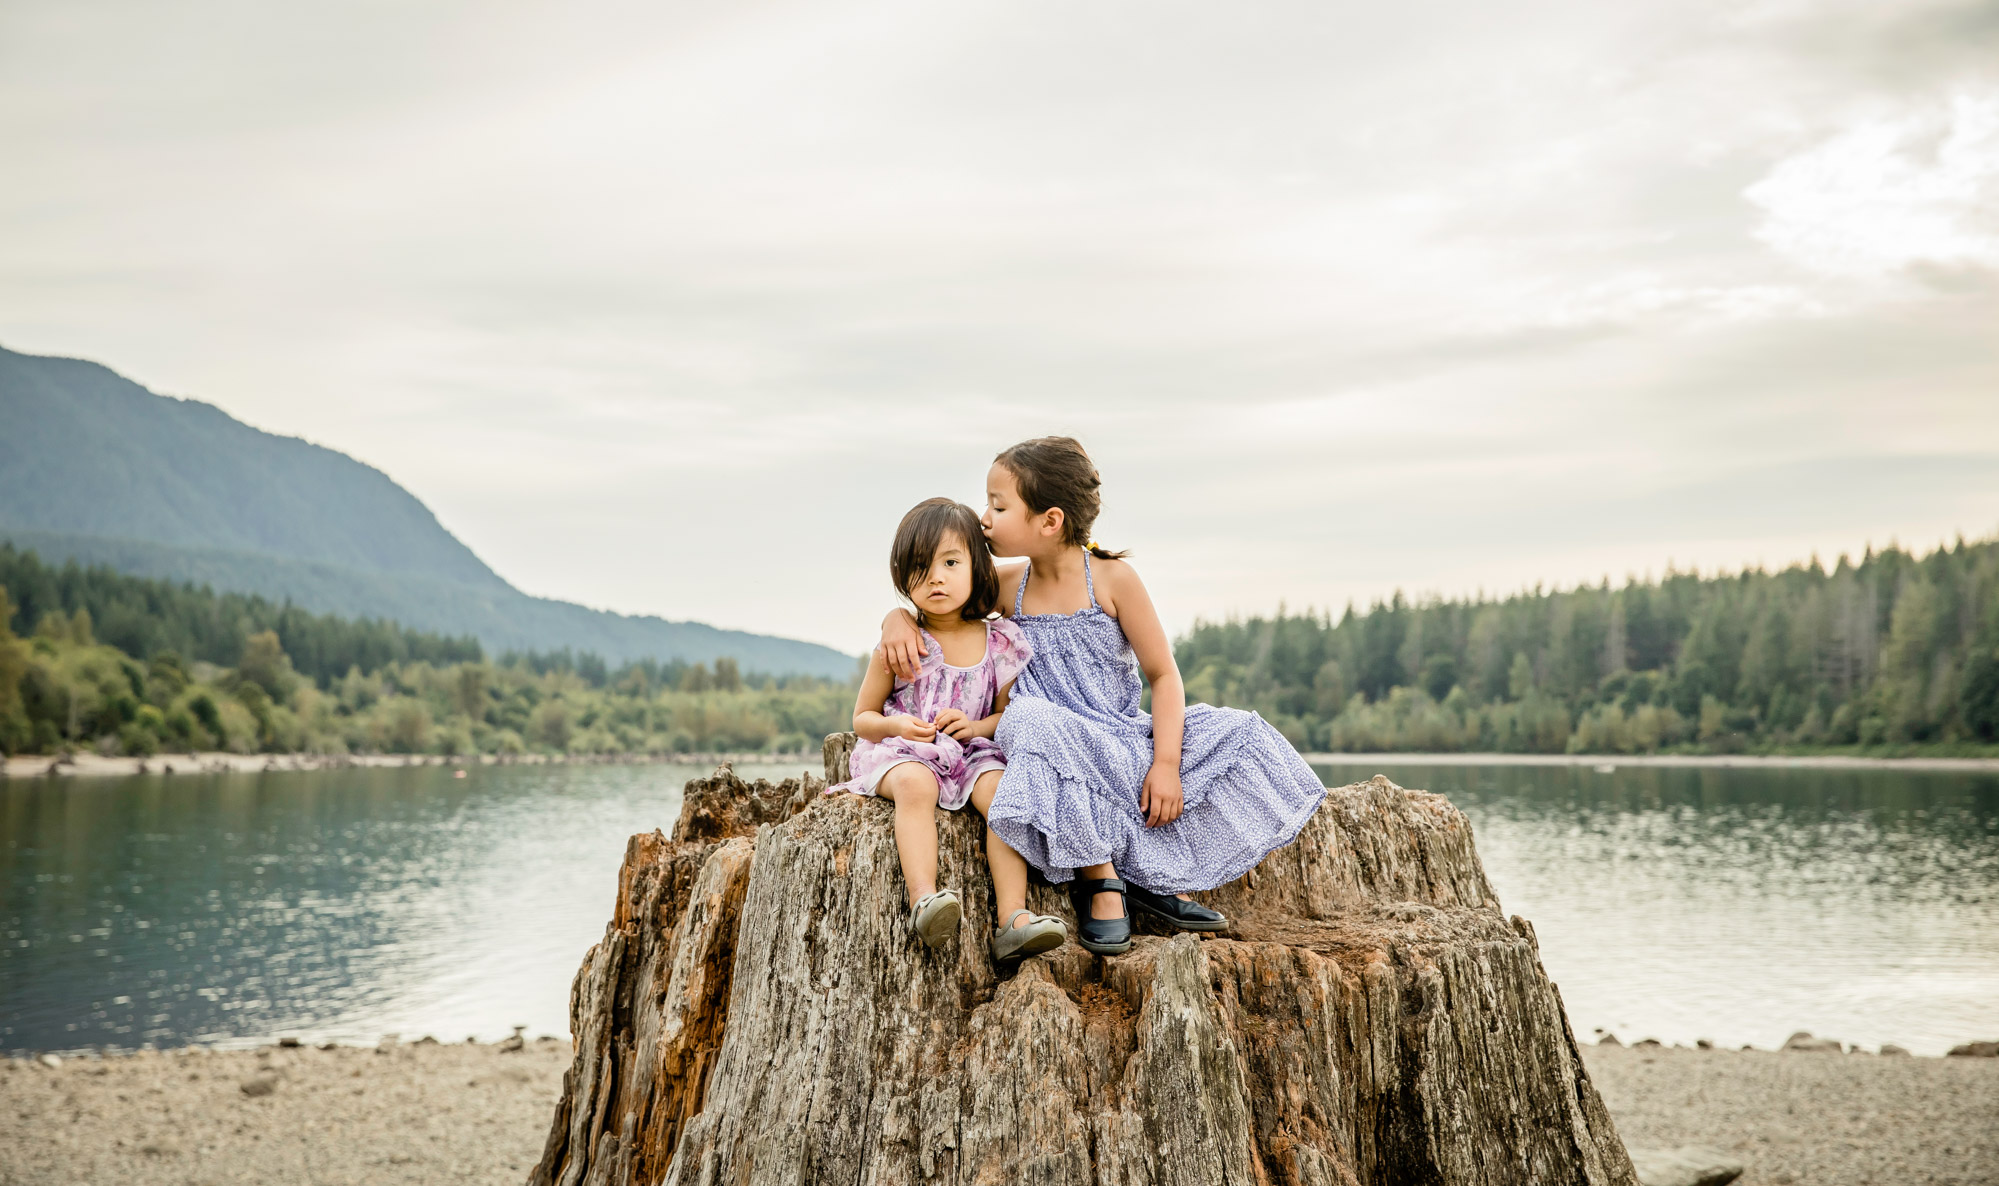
1741 905
329 904
1673 903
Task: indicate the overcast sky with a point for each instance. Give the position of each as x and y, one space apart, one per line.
675 308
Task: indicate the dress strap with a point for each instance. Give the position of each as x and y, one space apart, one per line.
1087 582
1021 591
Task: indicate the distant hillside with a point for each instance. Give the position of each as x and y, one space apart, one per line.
96 468
89 453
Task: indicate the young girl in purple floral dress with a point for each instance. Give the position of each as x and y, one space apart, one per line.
927 741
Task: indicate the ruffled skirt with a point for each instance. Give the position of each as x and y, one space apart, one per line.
956 764
1070 795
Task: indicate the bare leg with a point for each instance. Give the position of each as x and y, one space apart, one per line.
1009 868
1104 905
913 789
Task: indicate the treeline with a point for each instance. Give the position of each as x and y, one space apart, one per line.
1892 651
1895 650
62 690
121 665
144 617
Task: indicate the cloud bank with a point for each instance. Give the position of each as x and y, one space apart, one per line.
673 309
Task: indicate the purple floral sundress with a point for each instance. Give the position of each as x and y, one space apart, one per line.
938 686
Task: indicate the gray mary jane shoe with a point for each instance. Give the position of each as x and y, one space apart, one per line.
934 917
1042 933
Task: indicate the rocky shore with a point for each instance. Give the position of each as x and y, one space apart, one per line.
463 1114
86 765
349 1116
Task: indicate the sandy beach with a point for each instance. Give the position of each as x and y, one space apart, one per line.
436 1114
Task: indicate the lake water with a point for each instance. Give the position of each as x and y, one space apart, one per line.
1736 905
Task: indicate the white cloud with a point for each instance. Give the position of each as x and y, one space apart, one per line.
1916 187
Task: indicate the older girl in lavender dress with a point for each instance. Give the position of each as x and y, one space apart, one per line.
927 741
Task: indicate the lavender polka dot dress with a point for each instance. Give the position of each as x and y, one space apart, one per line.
1078 746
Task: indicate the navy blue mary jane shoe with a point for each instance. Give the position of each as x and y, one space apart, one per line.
1177 912
1104 936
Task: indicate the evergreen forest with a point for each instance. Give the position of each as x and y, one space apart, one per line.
1895 653
91 658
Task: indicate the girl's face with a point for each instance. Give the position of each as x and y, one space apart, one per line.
941 592
1011 525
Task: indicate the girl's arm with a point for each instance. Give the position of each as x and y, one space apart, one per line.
1161 797
869 722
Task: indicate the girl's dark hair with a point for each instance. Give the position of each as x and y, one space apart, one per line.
1054 472
922 533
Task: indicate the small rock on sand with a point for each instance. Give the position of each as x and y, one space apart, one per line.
260 1084
1889 1050
1976 1050
50 1061
1802 1040
1689 1165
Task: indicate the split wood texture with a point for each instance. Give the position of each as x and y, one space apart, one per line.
757 1013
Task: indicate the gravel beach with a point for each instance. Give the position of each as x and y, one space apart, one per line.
437 1114
1814 1119
415 1114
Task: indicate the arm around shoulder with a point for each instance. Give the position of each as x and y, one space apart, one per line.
902 643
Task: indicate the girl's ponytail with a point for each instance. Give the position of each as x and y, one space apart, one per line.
1055 473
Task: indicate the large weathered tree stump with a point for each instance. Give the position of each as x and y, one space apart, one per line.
758 1013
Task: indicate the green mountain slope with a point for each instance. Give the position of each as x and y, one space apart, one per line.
96 468
88 452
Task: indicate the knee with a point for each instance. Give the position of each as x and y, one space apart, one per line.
912 785
982 791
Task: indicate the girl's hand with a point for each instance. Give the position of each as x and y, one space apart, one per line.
915 729
1160 800
956 724
902 645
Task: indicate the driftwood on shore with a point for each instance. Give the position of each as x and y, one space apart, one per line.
757 1013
